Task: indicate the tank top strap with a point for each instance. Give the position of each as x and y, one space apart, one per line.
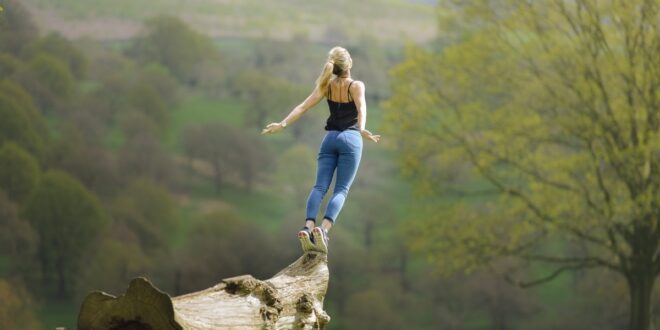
350 97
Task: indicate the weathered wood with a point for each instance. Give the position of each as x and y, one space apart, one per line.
291 299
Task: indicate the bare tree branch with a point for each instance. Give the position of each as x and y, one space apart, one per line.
548 278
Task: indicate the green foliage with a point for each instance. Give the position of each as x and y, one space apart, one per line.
143 155
229 152
20 122
116 261
135 99
24 101
108 98
147 99
9 64
16 27
67 216
196 109
296 173
265 94
148 209
162 81
49 80
59 47
172 44
370 310
18 240
19 171
372 62
53 74
551 113
218 249
74 151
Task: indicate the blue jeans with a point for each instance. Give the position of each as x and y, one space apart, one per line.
340 150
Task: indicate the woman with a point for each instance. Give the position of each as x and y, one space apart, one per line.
341 148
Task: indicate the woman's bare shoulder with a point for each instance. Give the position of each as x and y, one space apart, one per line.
357 85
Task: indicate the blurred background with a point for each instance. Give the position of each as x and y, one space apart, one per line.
130 146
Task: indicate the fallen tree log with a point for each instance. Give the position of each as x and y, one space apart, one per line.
291 299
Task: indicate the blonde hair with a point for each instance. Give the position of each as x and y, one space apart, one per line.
339 61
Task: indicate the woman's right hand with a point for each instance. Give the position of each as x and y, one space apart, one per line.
367 135
272 128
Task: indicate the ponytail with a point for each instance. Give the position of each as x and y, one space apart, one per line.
339 60
324 79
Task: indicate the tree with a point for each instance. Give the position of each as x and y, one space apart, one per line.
68 219
149 211
537 123
172 44
19 171
49 80
59 47
154 93
9 64
142 155
114 263
251 159
19 120
295 173
216 248
24 102
292 60
145 98
229 152
18 240
371 66
162 81
16 307
266 94
16 27
77 152
134 98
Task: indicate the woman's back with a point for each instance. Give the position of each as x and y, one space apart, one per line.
343 110
339 90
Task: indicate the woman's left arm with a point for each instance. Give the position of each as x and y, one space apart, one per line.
313 99
357 90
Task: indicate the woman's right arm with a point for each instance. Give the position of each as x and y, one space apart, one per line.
313 99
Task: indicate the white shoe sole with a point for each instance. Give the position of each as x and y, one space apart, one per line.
320 245
305 242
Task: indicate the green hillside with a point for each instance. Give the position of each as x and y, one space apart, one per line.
388 20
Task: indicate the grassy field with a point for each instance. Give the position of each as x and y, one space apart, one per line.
199 109
64 314
389 20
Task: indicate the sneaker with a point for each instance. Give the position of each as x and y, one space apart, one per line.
321 239
306 239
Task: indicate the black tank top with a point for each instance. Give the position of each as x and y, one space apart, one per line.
343 115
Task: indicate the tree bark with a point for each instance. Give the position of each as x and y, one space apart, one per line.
291 299
641 288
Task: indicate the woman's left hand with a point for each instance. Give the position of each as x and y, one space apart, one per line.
368 135
272 128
